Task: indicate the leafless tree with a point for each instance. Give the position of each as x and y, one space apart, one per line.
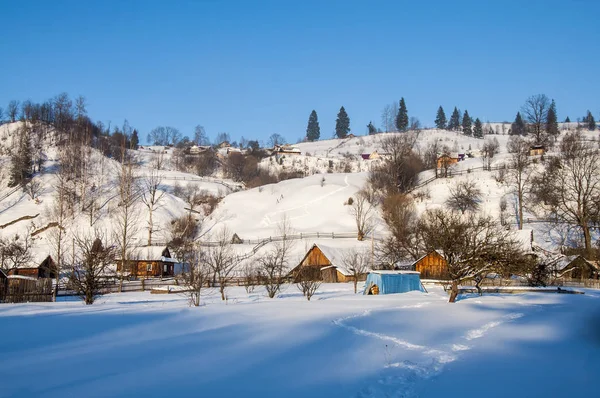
200 137
12 110
472 246
222 261
571 188
126 217
92 264
274 264
489 149
519 173
152 197
362 209
464 196
196 275
158 160
33 188
535 111
388 117
276 139
16 251
357 262
308 281
400 216
222 137
251 276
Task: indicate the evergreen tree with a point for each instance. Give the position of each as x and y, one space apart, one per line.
466 124
552 120
135 140
371 128
591 122
440 119
518 126
21 160
567 120
478 129
454 123
402 118
342 124
313 131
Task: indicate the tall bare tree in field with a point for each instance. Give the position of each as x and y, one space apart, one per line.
571 188
196 275
152 197
363 212
357 262
222 260
519 174
535 111
275 263
126 215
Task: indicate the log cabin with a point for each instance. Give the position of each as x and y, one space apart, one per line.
149 262
329 262
536 150
575 267
45 269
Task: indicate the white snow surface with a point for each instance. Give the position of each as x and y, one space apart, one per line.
339 344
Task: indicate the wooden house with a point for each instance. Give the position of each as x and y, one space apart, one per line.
575 267
536 150
446 160
430 266
45 269
281 150
329 262
148 262
371 156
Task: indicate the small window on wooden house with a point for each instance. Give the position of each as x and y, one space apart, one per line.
149 267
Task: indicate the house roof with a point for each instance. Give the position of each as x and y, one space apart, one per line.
151 253
393 272
565 261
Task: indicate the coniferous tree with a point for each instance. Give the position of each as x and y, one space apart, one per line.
454 123
440 119
402 118
21 159
478 129
342 124
466 124
591 122
552 120
135 140
518 126
313 131
371 128
567 120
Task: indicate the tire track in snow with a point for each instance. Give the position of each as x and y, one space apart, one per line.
482 331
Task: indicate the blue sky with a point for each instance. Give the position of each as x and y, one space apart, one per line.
253 68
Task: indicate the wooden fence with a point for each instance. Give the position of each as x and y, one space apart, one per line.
25 290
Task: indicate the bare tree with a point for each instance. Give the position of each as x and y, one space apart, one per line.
519 173
200 137
33 188
158 160
126 214
12 110
152 196
16 252
489 149
363 211
535 111
401 166
308 281
571 188
276 139
92 264
464 196
400 216
275 263
222 260
472 246
357 262
196 276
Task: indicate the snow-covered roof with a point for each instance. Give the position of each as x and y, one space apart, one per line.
150 253
336 257
565 261
393 272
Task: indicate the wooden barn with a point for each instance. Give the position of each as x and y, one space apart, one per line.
431 266
45 269
149 262
575 267
447 160
329 262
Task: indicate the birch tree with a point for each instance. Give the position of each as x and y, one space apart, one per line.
152 197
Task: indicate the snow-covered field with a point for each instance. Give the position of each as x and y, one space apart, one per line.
337 345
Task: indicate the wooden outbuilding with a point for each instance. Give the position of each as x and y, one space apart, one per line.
149 262
537 150
575 267
329 262
46 269
430 266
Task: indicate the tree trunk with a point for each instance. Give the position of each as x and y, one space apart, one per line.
453 292
588 239
355 284
222 289
520 198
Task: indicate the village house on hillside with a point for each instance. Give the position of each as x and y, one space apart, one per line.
329 262
286 149
575 267
46 268
430 266
149 262
537 150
